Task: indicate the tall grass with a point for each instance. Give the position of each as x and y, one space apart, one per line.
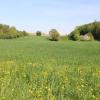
33 68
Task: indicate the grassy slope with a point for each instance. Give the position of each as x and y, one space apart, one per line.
35 68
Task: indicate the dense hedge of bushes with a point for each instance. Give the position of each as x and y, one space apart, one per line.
7 32
93 28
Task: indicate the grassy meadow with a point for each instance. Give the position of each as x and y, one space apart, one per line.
33 68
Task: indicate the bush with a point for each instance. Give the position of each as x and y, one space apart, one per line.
64 38
54 35
75 35
38 33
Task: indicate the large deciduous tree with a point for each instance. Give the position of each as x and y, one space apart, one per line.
54 35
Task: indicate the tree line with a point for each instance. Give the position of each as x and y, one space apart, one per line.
85 32
92 30
89 31
7 32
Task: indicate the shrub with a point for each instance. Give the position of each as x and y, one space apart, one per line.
75 35
54 35
64 38
38 33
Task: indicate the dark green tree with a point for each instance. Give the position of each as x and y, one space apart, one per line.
38 33
54 35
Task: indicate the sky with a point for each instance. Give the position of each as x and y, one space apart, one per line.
44 15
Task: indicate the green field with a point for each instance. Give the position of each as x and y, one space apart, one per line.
34 68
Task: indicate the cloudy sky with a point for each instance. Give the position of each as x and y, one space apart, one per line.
43 15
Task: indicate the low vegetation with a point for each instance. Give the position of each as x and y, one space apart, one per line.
34 68
64 38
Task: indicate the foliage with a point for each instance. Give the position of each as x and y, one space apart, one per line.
54 35
64 38
7 32
75 35
38 33
36 69
93 28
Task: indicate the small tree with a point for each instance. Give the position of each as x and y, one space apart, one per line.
12 33
38 33
54 35
75 35
1 34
